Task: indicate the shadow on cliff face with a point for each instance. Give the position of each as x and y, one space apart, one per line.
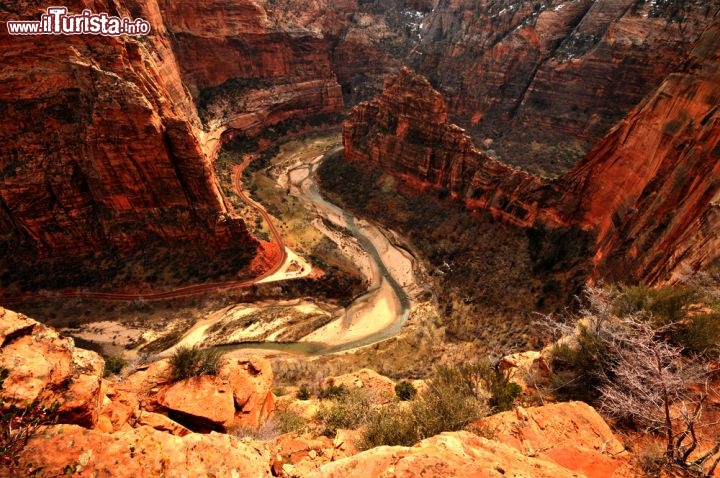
488 276
154 264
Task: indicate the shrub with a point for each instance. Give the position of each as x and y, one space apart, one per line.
303 392
114 365
450 402
498 384
287 419
578 367
663 305
390 426
333 391
189 362
349 410
405 390
701 334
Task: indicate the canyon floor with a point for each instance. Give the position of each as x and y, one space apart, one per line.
389 300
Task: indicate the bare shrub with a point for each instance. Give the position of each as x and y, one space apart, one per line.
626 348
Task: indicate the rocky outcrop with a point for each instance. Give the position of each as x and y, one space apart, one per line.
537 76
647 192
651 188
294 455
102 147
46 368
457 454
238 396
570 434
406 131
565 439
68 449
43 367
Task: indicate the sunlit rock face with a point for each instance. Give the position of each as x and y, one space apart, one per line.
647 192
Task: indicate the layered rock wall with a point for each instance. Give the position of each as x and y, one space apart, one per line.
552 72
406 131
651 187
101 144
648 191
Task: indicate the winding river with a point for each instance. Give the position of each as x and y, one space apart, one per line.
390 288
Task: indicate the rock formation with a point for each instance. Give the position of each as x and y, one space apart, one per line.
406 131
44 367
109 143
537 76
647 191
651 187
102 147
246 72
456 454
142 451
570 434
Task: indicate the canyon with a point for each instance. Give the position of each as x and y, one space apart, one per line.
647 191
110 143
497 156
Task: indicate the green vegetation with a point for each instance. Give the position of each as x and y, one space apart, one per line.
114 365
579 366
637 355
287 419
663 305
189 362
497 382
303 392
332 391
405 390
453 399
348 410
390 426
701 334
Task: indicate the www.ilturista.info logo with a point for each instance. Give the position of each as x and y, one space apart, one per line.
57 21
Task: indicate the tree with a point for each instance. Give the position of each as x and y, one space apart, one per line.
654 386
643 377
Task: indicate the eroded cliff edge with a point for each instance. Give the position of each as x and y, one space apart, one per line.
104 152
647 191
102 148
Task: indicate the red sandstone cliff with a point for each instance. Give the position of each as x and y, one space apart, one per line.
651 187
536 76
649 190
406 131
101 144
246 71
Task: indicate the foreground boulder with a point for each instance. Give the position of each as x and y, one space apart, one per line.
45 367
239 396
571 434
559 440
449 455
64 450
294 455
